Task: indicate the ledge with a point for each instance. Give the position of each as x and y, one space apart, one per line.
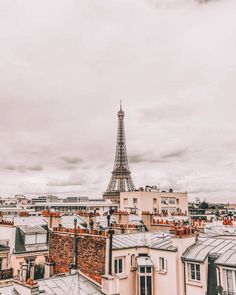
162 272
195 284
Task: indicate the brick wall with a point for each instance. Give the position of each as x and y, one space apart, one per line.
91 253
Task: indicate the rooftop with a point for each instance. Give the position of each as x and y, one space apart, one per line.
218 241
61 285
161 241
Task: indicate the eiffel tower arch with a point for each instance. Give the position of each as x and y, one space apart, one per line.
121 180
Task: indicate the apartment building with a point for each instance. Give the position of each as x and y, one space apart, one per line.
146 263
27 241
210 263
155 201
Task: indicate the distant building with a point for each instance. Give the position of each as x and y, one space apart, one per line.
75 199
45 199
155 201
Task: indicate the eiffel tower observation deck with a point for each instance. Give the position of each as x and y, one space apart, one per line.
121 180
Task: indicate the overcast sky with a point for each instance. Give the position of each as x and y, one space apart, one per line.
64 66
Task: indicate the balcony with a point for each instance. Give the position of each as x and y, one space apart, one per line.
228 293
6 274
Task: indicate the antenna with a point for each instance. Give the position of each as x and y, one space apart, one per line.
120 105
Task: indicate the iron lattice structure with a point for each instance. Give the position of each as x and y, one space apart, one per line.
121 180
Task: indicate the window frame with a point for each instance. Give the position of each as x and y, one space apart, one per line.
162 265
233 271
117 265
135 201
194 271
145 276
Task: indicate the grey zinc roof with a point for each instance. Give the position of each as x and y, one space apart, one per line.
158 240
62 285
33 229
8 290
68 221
219 241
29 220
69 285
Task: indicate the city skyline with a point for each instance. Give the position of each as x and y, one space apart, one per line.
61 85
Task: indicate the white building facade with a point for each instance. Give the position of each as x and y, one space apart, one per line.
154 201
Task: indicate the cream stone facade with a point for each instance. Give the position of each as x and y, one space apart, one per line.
154 201
146 263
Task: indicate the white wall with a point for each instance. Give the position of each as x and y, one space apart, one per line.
145 201
8 232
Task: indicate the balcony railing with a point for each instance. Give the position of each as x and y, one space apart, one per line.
228 293
6 274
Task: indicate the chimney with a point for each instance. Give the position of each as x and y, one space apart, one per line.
147 219
23 288
53 218
24 270
121 217
49 269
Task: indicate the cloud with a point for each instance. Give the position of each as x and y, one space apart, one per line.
178 154
158 157
76 179
34 168
24 168
173 64
72 160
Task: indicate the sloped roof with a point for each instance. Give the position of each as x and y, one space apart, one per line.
219 241
29 220
161 241
61 285
68 221
69 285
33 229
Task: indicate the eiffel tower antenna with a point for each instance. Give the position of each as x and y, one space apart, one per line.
121 180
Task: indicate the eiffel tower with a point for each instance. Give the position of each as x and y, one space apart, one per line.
121 180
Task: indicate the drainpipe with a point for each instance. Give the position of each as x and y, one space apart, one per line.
185 289
108 220
218 271
110 233
75 245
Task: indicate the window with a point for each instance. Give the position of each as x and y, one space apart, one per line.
162 264
118 265
172 201
1 259
135 200
194 271
230 281
164 201
154 201
145 280
125 201
35 239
